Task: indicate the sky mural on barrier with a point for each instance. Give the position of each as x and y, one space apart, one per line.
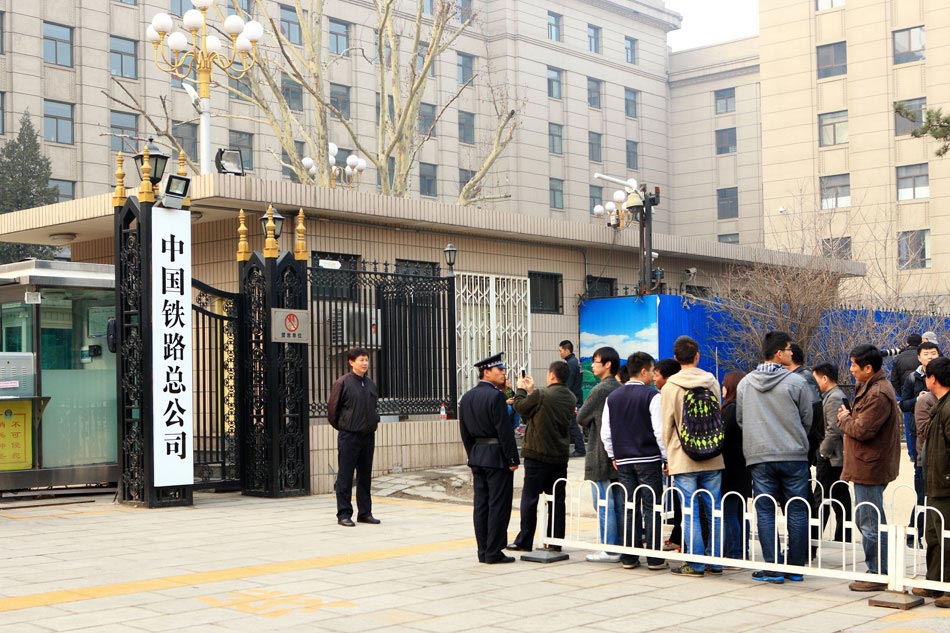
628 324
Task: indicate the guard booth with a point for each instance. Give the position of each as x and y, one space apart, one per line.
54 352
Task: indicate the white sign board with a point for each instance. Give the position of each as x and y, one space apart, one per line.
289 326
172 396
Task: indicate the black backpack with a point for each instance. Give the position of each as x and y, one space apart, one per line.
701 430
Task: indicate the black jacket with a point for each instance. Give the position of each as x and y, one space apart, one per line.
816 433
575 381
736 476
484 414
352 404
905 363
913 385
549 413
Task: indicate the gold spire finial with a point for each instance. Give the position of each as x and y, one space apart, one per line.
300 245
146 190
271 248
119 196
181 172
243 249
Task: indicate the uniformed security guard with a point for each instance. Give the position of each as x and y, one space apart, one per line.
489 439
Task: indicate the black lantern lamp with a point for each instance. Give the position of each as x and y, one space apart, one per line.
157 160
450 252
278 223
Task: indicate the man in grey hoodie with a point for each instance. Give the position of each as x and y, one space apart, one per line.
774 409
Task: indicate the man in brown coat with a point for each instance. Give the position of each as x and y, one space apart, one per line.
871 454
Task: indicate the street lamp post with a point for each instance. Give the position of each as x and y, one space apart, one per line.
343 175
201 56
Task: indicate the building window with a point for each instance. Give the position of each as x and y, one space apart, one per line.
594 89
554 26
913 182
633 155
427 7
244 9
339 37
726 141
340 283
427 119
601 287
555 138
466 68
546 292
340 99
421 59
556 193
913 249
909 45
2 15
464 10
243 141
3 113
65 189
821 5
242 86
595 147
910 117
178 7
836 247
290 25
428 180
292 92
727 203
725 100
287 167
177 80
728 238
833 128
630 49
58 122
835 191
467 128
391 170
832 60
630 98
464 176
554 83
593 38
57 44
596 196
122 58
124 128
187 135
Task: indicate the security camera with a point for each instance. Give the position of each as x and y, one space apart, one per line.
656 255
691 272
193 95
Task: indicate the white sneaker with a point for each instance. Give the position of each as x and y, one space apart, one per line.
603 557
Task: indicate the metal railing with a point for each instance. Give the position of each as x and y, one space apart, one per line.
906 564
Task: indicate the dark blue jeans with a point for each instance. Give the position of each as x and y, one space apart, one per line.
782 480
642 524
702 489
734 527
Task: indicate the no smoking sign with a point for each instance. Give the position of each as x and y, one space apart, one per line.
290 326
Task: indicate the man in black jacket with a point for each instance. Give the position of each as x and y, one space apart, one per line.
489 439
575 383
905 362
549 412
351 410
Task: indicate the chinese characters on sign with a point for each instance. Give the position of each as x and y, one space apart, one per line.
16 435
289 326
172 425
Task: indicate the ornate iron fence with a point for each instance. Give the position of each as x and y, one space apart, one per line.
404 319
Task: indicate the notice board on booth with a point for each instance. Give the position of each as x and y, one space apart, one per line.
16 435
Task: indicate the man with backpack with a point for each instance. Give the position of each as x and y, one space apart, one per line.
692 433
774 409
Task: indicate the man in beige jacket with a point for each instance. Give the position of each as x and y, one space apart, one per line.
699 483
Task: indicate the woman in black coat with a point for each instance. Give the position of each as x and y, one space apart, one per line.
736 477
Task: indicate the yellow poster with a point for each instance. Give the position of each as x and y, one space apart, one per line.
16 435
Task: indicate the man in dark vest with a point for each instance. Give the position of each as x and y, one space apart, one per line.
489 439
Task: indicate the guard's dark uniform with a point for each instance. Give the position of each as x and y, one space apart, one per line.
488 436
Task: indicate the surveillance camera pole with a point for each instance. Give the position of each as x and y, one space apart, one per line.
647 284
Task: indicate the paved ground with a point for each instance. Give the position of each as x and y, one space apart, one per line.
233 563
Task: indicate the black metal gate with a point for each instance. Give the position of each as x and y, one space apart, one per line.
216 322
406 320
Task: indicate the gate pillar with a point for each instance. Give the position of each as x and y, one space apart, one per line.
276 424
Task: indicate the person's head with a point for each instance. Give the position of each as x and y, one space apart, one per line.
926 352
798 355
558 371
729 383
565 348
937 375
494 371
663 369
915 339
826 375
358 358
623 375
686 350
929 337
605 362
866 360
777 348
640 366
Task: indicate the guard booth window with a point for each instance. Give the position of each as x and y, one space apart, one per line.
336 283
17 323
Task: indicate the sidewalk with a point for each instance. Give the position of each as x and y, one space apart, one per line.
233 563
